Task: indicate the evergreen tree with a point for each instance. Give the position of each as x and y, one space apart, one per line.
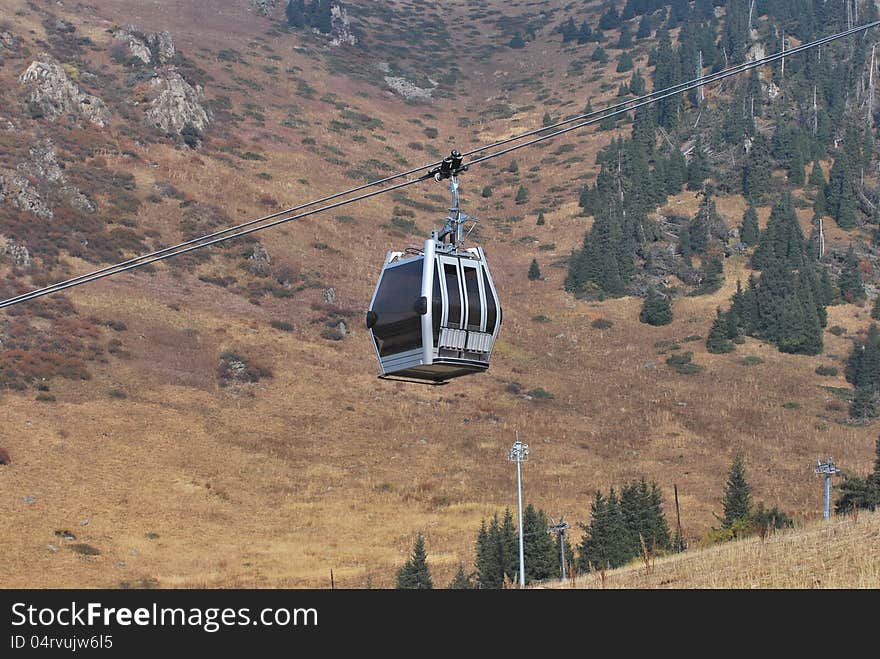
817 176
757 171
599 55
540 221
749 231
610 19
516 41
863 364
796 169
625 41
841 191
522 195
415 575
487 192
637 84
509 546
875 310
540 556
534 270
624 62
644 30
783 239
698 168
717 341
489 555
513 167
460 581
296 13
569 31
737 501
656 310
585 34
850 283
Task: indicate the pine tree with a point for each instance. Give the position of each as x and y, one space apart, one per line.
540 222
415 574
490 570
749 230
757 171
540 556
508 546
625 41
656 309
698 168
850 282
637 84
644 30
534 270
624 62
522 195
875 310
817 176
599 55
516 41
737 503
796 169
460 581
513 167
717 341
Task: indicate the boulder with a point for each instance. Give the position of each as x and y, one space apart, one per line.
259 262
18 190
55 94
177 105
264 7
17 253
143 46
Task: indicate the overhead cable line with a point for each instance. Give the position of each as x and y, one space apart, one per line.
579 121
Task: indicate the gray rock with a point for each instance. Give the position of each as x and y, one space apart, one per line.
330 295
342 328
56 94
259 262
177 104
341 32
264 7
18 254
29 499
17 190
165 47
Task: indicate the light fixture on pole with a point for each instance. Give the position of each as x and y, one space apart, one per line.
519 453
827 469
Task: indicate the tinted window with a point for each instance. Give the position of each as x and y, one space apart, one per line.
437 307
475 307
491 305
450 271
398 326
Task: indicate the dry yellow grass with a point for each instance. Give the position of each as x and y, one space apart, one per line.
185 483
840 554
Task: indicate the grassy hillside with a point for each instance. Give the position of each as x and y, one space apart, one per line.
170 474
840 554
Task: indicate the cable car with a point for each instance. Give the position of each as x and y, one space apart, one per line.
435 312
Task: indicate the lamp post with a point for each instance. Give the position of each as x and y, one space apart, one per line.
827 469
519 453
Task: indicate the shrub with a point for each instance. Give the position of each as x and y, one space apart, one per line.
235 368
85 550
5 458
539 393
332 334
682 363
751 360
826 370
601 324
837 330
118 394
281 325
791 405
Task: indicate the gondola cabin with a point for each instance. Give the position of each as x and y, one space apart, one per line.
435 314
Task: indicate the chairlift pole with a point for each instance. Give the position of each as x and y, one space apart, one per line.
827 469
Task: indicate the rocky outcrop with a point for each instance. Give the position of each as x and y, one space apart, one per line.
177 105
264 7
44 166
341 32
17 190
55 94
16 253
259 262
407 89
151 49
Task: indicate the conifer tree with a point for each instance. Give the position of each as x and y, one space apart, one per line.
737 503
625 41
415 574
644 30
624 62
599 55
749 230
637 84
757 170
698 168
817 176
534 270
875 310
540 221
460 581
717 341
489 555
656 309
850 283
522 195
509 546
540 556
